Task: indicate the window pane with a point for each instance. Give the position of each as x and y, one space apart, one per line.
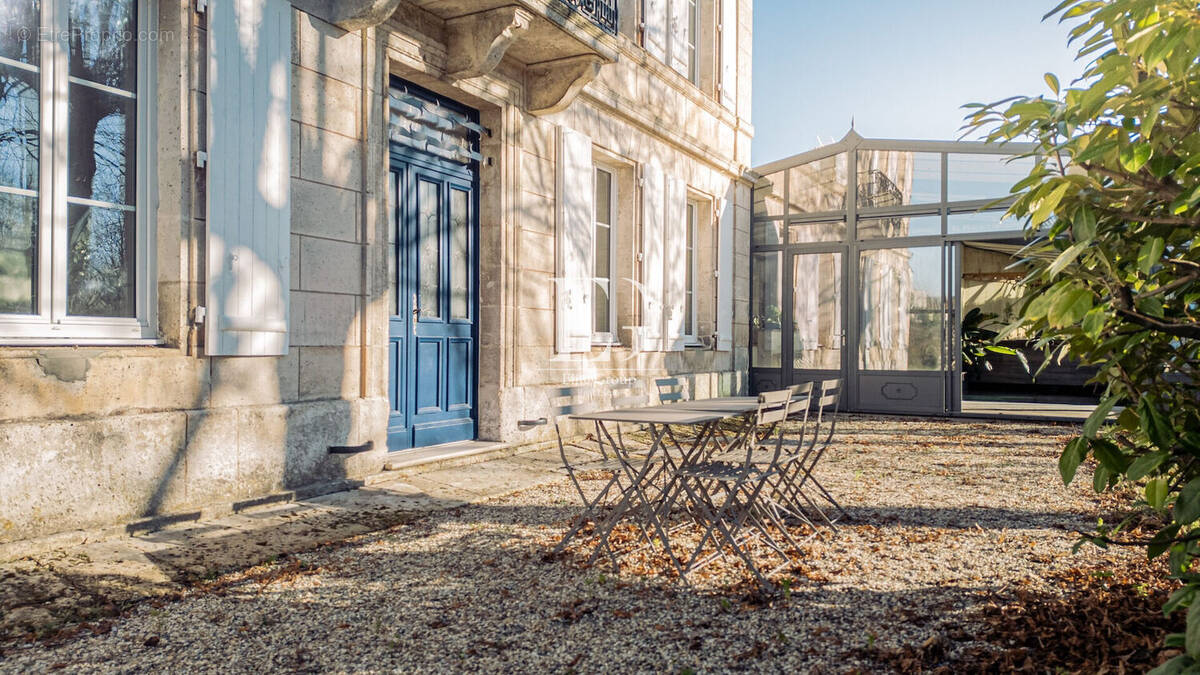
460 291
818 186
603 252
603 197
600 308
984 176
766 332
101 142
900 315
768 198
689 317
103 45
817 311
19 23
18 254
393 239
100 265
899 226
19 125
897 177
429 249
981 221
802 233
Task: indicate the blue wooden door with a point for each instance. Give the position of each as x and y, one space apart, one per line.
432 331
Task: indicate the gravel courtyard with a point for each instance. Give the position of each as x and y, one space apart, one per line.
948 517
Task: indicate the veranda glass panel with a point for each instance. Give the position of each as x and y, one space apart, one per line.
803 233
898 177
976 176
766 328
899 226
817 311
818 186
981 222
768 196
901 309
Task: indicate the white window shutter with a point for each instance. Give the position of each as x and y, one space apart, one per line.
654 29
675 272
653 213
574 194
678 40
248 177
729 53
725 274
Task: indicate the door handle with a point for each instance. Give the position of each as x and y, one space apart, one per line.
416 313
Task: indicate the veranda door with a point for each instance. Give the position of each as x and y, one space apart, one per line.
432 332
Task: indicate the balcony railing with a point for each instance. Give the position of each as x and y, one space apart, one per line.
603 13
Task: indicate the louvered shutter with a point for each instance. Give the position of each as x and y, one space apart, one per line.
574 194
653 213
725 274
675 272
678 40
249 146
728 37
654 28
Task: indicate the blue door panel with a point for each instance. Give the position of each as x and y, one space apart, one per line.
431 360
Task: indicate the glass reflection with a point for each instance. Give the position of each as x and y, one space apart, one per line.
818 186
981 221
18 128
976 176
429 249
899 226
460 291
19 23
817 311
898 177
803 233
18 254
100 269
768 196
901 309
105 123
766 331
103 42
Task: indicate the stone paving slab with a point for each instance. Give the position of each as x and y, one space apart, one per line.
42 593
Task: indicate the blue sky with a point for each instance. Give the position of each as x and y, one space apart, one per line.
901 69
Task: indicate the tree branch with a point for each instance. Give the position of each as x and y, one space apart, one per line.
1140 181
1123 301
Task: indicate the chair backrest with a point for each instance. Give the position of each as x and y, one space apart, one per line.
628 394
569 401
773 407
827 409
670 389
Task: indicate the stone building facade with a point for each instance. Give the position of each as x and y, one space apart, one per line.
250 273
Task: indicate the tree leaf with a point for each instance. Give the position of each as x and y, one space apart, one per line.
1150 254
1146 464
1067 257
1052 81
1069 306
1048 203
1187 504
1161 541
1083 226
1156 428
1156 492
1070 459
1098 415
1134 157
1192 635
1174 666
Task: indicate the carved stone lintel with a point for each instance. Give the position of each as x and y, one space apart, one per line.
551 86
352 15
476 42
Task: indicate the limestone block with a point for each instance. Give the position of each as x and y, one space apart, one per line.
294 263
262 435
330 158
323 319
536 327
295 150
538 136
537 175
330 266
311 429
328 372
536 255
536 292
324 210
324 102
536 213
240 381
211 456
329 50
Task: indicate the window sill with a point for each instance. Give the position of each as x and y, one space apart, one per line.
80 342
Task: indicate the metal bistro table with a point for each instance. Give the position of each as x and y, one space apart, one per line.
641 500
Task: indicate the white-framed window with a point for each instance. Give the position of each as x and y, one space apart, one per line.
76 96
693 36
604 300
689 306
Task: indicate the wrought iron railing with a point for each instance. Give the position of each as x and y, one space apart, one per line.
603 13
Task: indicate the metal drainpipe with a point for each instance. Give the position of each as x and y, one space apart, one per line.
364 228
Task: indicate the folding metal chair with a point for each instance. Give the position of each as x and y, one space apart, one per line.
670 390
823 429
730 497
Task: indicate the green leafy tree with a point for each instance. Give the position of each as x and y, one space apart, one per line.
1113 209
